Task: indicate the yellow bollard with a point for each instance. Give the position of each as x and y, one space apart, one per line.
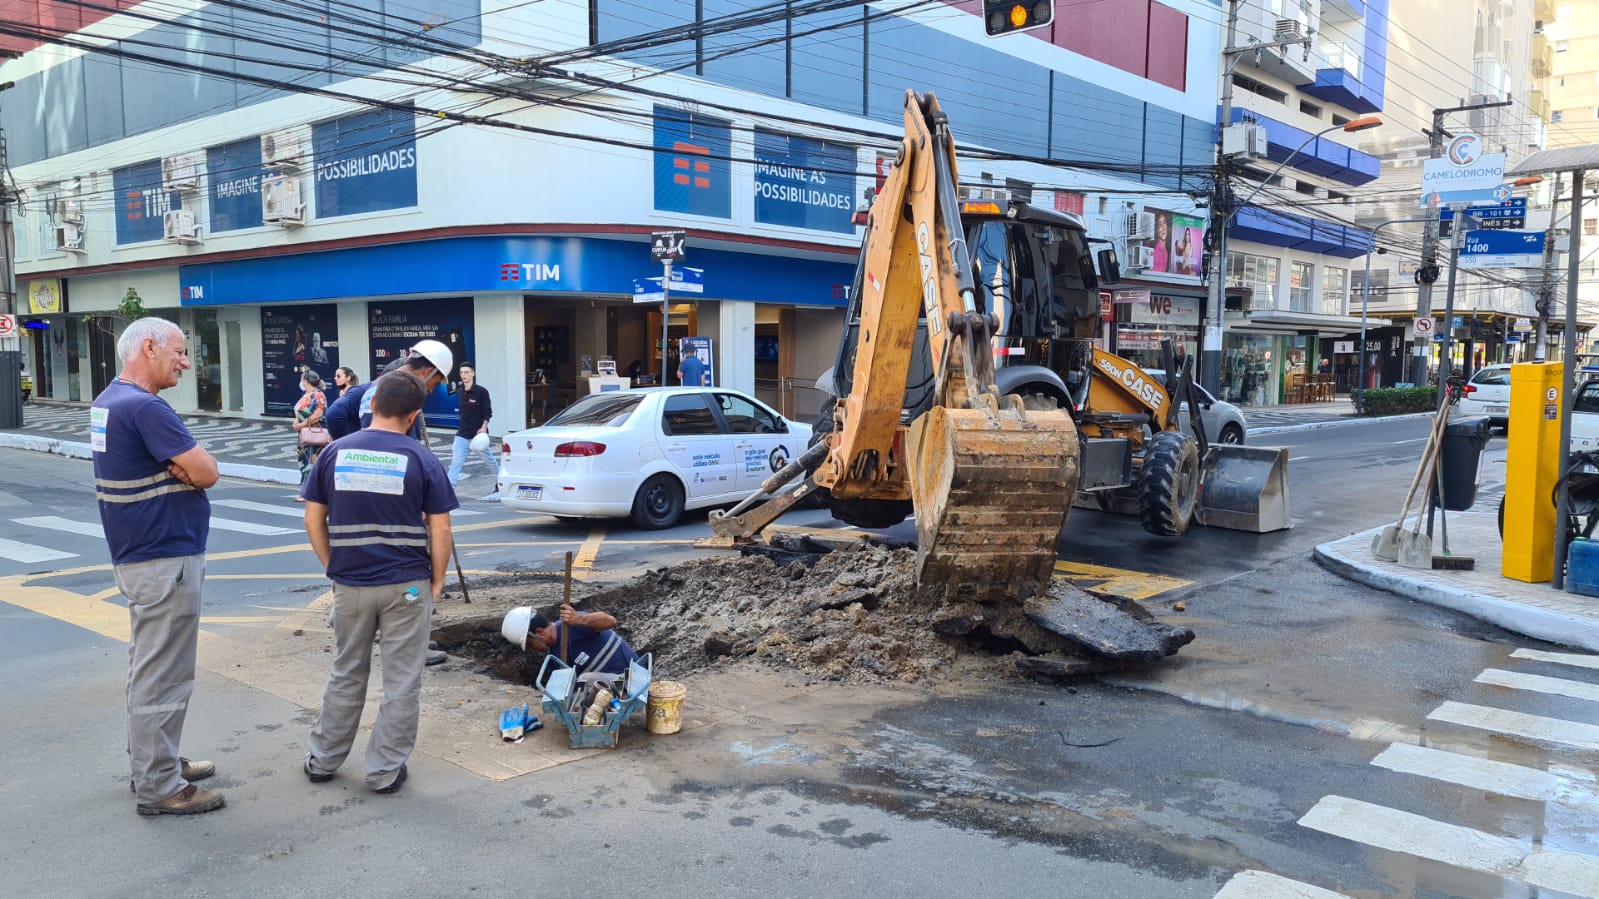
1532 466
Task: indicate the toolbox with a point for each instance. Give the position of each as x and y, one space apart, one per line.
567 698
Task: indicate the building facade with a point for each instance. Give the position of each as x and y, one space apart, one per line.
321 191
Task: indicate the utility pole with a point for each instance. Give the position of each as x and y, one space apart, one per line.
1420 348
1546 285
10 355
1221 222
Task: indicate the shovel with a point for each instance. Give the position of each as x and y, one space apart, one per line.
1415 548
1385 545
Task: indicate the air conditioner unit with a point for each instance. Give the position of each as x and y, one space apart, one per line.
1144 258
182 172
70 239
280 200
69 211
1141 225
281 149
1289 30
178 226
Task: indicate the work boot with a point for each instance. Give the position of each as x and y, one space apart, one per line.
437 657
399 779
192 771
191 800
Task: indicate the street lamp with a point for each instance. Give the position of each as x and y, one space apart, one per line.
1211 368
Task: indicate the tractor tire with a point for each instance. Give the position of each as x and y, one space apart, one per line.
1168 487
1039 402
873 514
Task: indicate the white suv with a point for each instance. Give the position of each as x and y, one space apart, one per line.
1488 393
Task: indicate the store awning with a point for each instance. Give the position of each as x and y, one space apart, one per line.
1278 322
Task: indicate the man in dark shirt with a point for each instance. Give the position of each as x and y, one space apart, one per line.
429 360
592 644
476 410
378 516
150 477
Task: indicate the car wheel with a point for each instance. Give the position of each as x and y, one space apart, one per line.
658 503
1231 434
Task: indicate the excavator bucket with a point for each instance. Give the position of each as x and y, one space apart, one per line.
1245 488
991 487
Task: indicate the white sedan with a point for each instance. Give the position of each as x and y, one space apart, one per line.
647 454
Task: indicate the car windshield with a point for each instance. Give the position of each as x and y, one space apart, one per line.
598 410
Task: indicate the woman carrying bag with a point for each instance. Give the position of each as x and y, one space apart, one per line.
308 414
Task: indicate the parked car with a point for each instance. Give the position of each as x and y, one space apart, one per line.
1224 423
1488 393
648 455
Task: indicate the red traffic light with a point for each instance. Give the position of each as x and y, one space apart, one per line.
1008 16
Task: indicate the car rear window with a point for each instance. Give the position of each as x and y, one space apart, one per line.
1494 376
1588 397
601 409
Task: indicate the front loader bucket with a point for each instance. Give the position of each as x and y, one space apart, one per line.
1245 488
991 488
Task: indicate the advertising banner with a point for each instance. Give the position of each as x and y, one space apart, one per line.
693 169
365 162
45 296
1177 243
1464 174
801 182
393 328
141 202
234 171
293 339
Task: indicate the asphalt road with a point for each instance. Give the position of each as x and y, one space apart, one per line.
1287 739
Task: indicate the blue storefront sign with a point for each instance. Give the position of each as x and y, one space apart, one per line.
801 182
472 265
365 162
693 171
234 171
393 328
142 202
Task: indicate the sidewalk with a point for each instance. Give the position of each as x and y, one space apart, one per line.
1269 418
1536 610
244 448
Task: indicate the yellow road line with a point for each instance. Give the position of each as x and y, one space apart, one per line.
1120 581
583 562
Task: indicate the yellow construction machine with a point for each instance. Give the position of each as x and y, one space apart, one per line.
923 424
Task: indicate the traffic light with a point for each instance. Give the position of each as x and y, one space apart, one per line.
1008 16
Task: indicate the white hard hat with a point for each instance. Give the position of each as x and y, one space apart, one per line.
516 625
436 353
480 443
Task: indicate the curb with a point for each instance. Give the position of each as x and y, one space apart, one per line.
1339 423
1520 618
79 450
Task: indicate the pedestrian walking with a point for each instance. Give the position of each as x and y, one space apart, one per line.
378 517
150 478
691 371
310 435
476 410
344 377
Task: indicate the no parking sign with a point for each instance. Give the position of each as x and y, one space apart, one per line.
8 325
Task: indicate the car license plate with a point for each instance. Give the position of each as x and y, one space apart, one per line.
532 493
1496 410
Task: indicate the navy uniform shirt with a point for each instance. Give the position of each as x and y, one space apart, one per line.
146 512
594 650
377 486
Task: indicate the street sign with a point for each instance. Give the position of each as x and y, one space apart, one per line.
8 325
1464 174
1423 327
1502 249
666 245
1522 324
1509 215
684 280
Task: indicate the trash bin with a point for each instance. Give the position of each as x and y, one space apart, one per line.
1464 439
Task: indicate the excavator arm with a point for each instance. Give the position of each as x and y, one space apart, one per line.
990 482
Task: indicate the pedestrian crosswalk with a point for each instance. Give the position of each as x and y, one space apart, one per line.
1495 753
36 539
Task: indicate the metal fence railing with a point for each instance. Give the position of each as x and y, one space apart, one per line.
797 398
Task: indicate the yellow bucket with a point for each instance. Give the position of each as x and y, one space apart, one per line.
664 713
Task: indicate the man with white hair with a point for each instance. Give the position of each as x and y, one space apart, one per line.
150 478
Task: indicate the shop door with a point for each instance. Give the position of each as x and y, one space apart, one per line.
207 361
40 369
103 364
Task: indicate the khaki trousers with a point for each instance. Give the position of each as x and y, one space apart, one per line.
358 614
164 624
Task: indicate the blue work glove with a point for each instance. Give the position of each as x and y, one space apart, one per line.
513 722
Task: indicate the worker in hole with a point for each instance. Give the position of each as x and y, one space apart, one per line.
593 646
